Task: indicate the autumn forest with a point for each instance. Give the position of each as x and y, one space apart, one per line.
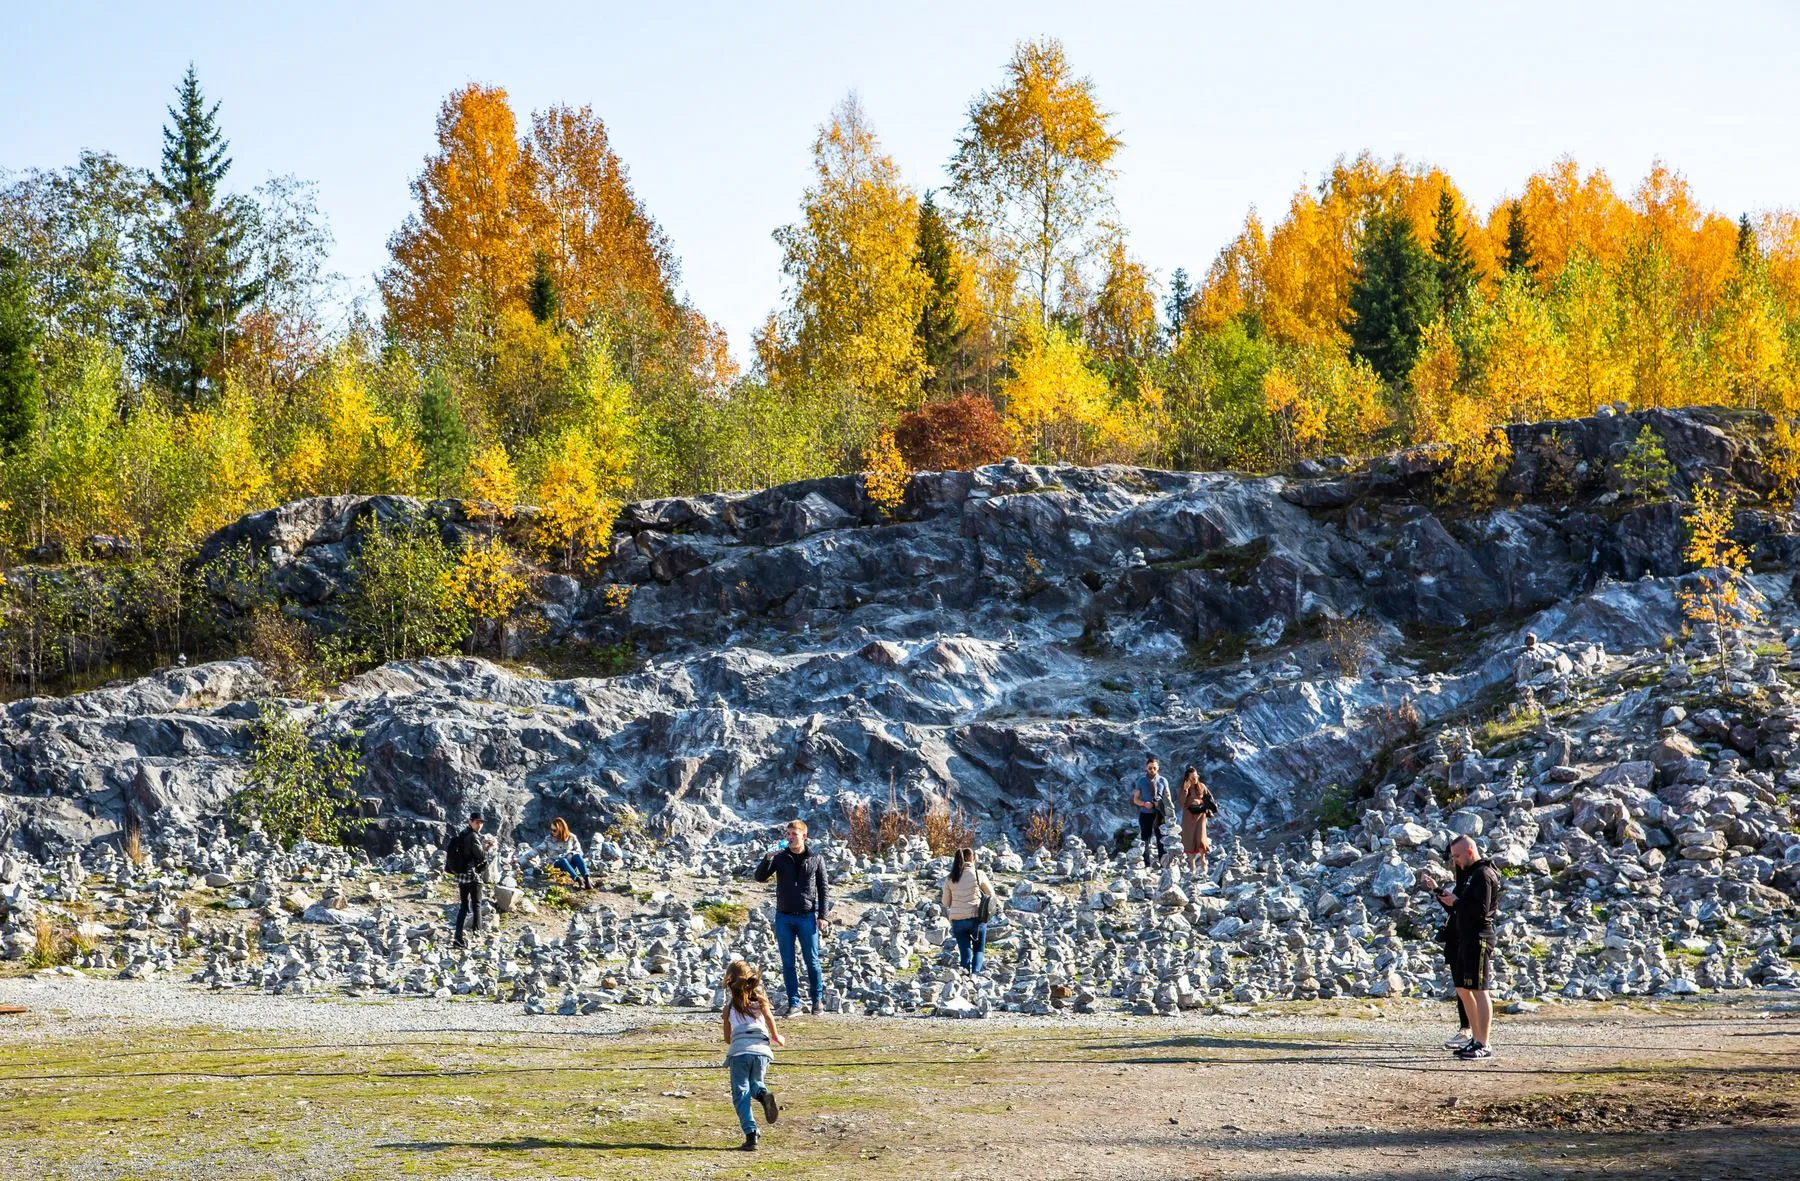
165 365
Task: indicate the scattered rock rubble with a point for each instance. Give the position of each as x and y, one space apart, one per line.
1019 639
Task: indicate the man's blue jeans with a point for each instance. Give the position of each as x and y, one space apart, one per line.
805 928
971 943
747 1072
575 865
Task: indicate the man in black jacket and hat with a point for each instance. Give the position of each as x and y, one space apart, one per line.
466 856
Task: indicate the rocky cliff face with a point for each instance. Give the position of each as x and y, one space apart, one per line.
1015 636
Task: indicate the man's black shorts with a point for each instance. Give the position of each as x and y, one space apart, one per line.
1469 963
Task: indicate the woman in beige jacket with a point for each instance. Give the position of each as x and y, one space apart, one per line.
962 894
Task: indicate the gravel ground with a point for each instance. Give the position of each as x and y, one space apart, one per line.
1701 1089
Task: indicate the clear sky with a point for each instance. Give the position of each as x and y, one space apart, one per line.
713 106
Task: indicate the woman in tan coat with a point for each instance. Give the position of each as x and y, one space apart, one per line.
962 895
1197 802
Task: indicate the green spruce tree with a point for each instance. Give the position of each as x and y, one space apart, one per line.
442 435
1518 256
1179 303
1450 250
19 336
1393 296
941 331
542 298
1748 252
197 260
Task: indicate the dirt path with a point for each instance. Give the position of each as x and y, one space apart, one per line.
281 1088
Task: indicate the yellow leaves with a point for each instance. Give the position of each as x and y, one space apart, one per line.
1320 401
1433 382
887 478
1060 409
467 238
1526 368
1720 595
485 579
585 469
1477 465
1300 419
493 484
1749 348
1123 323
355 448
575 510
1033 165
1782 458
856 288
233 479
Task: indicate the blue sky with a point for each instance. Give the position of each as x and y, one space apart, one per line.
713 106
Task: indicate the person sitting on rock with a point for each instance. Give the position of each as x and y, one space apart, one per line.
562 851
1148 793
466 856
962 896
1197 803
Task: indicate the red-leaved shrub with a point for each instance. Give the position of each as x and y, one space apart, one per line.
964 432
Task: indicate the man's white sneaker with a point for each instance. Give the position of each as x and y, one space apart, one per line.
1458 1040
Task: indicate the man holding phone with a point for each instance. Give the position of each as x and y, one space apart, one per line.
1472 903
800 910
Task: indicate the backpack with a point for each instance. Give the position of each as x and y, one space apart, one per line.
456 856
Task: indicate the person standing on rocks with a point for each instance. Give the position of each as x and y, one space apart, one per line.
466 857
967 897
1197 803
1473 903
1149 793
800 910
751 1035
562 850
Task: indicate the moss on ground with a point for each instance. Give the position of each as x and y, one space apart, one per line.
648 1104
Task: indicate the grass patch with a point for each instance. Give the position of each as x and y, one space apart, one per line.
1235 563
725 914
1218 648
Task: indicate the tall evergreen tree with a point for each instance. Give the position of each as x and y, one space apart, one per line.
941 331
19 334
1450 250
1747 249
1179 303
197 266
1517 254
1393 296
542 298
442 435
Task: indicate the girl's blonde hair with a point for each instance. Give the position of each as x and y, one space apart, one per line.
744 984
559 829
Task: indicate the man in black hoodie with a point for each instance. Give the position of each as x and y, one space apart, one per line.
466 856
800 910
1472 904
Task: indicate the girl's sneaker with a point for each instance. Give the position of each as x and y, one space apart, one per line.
1474 1051
1457 1041
771 1109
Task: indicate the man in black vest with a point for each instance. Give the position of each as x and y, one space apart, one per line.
1472 903
466 856
800 910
